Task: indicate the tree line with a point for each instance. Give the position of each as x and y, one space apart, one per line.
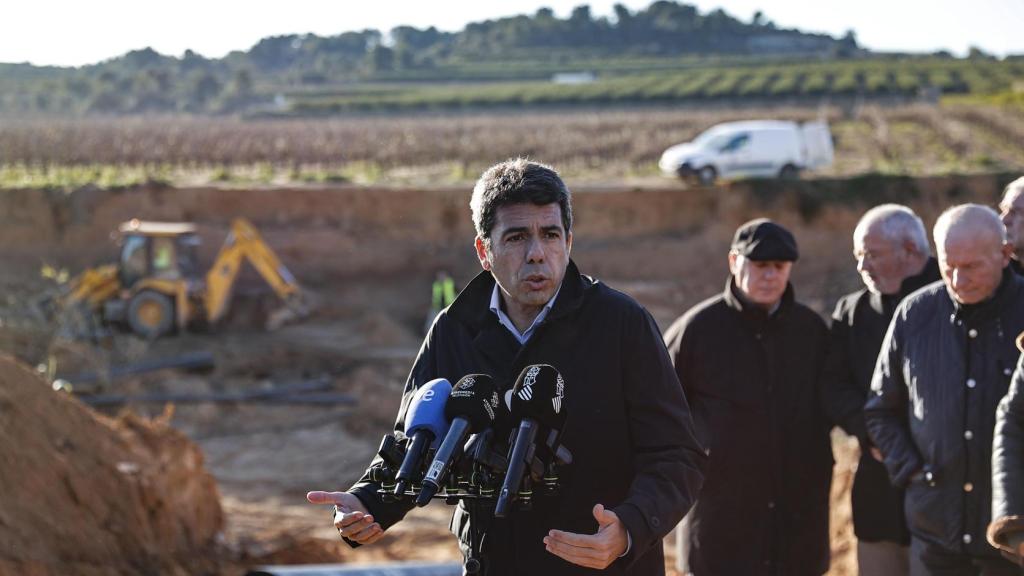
145 81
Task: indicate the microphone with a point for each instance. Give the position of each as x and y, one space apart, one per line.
470 408
425 423
537 401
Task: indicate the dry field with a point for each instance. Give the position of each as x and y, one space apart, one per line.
598 145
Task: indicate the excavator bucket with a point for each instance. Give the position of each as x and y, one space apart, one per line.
296 307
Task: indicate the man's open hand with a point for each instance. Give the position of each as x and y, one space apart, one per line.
351 518
591 550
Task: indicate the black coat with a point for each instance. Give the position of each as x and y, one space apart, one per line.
628 428
859 323
941 372
1008 462
752 381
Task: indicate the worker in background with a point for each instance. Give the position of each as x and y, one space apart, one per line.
442 295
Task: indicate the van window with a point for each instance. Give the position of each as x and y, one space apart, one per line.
735 143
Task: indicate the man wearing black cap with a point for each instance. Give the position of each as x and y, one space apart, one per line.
749 361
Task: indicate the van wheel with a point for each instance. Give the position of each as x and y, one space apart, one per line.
707 175
789 172
150 314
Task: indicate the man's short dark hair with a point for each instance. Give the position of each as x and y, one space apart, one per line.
518 181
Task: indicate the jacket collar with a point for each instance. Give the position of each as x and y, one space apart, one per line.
1016 266
753 313
989 310
472 306
886 303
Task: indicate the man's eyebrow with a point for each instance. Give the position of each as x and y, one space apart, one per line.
526 229
514 230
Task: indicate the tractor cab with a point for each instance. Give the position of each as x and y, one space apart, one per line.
158 250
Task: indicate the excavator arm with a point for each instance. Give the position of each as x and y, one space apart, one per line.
245 243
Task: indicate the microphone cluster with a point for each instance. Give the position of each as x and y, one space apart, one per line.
468 441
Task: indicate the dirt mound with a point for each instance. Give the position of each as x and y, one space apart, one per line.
84 494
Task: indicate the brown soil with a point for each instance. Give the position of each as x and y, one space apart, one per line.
86 494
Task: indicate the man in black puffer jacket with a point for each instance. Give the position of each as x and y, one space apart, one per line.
944 365
1006 532
891 247
749 361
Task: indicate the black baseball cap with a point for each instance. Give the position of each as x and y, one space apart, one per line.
763 240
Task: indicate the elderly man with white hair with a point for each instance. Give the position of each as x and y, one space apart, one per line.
890 246
945 363
1011 211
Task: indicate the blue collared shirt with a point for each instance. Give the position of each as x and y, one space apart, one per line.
505 321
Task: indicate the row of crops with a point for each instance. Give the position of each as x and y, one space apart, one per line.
877 78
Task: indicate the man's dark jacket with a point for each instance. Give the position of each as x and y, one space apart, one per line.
941 372
1016 266
859 323
752 381
1008 463
628 427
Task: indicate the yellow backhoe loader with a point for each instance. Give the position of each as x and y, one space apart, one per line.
157 287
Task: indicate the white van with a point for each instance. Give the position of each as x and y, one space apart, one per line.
752 148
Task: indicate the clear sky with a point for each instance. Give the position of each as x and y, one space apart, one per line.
76 32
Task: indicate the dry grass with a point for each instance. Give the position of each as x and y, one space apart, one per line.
612 144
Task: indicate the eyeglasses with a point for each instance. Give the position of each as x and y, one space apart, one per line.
871 254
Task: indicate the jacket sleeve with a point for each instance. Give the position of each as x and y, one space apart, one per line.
423 370
667 460
844 399
679 351
1008 464
885 413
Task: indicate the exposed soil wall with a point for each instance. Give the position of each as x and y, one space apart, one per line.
667 245
84 494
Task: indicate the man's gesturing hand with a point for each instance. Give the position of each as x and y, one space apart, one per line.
351 518
591 550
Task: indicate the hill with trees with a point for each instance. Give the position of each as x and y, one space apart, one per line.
666 52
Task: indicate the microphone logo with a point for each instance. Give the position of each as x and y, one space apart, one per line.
490 405
526 392
556 402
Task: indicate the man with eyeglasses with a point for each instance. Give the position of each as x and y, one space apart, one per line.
893 257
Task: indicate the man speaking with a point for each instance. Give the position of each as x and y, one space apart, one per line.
636 467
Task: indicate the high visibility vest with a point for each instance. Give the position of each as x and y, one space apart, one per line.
444 293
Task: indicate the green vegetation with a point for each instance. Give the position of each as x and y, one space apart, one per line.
665 37
907 77
668 52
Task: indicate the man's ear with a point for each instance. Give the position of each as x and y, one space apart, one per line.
910 248
732 263
481 253
1007 253
568 242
